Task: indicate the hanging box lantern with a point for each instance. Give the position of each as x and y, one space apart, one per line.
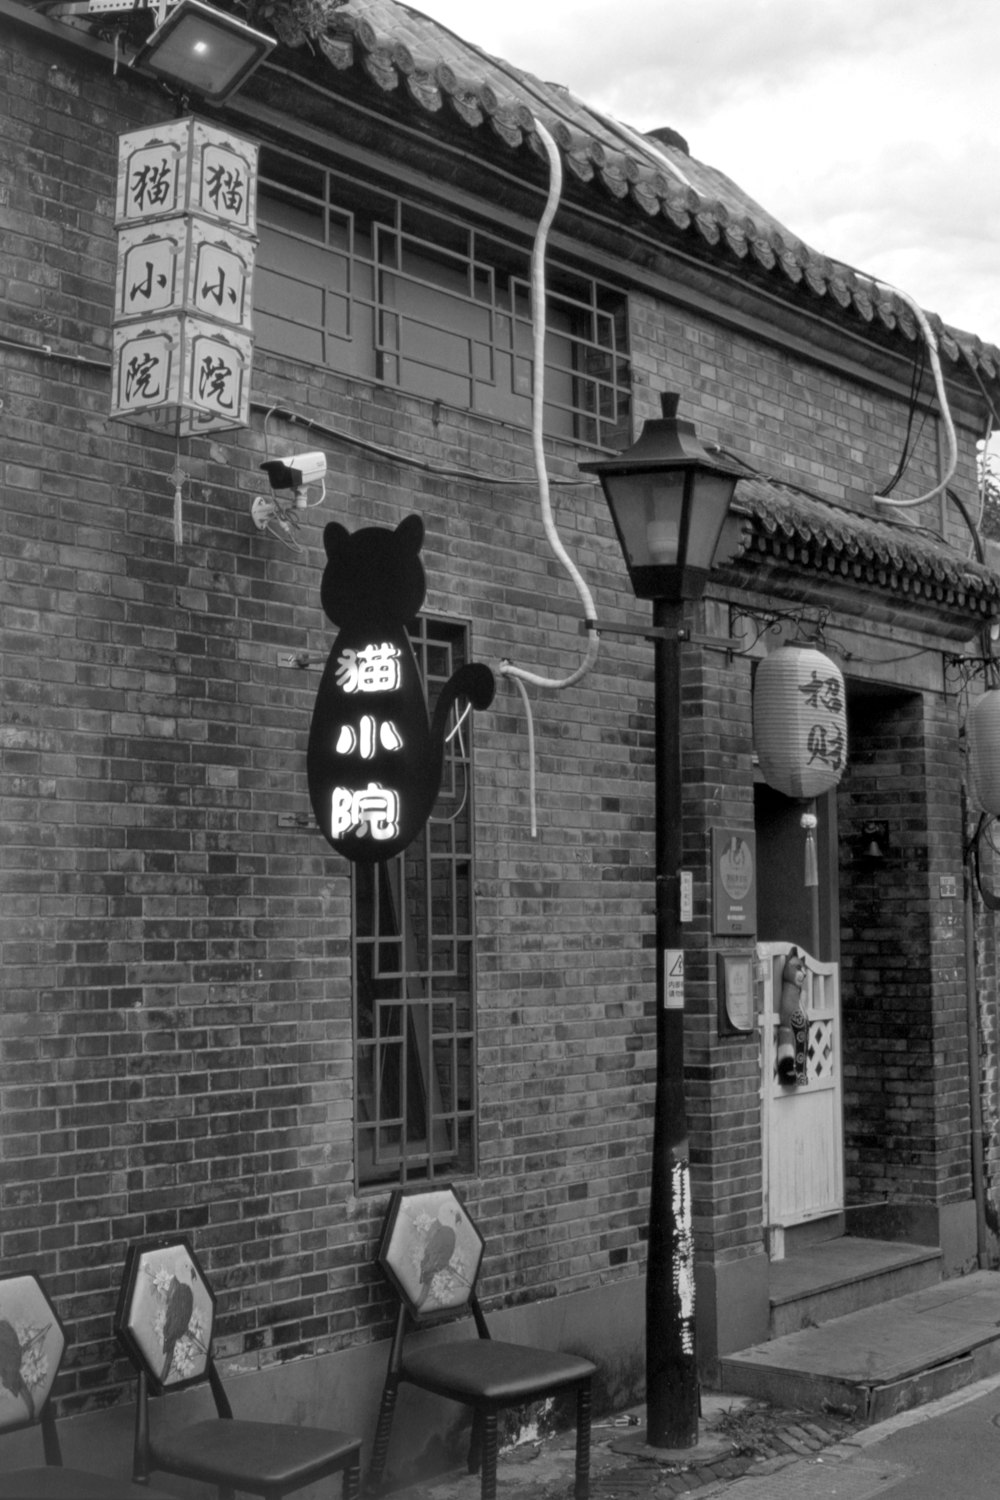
182 344
800 721
983 730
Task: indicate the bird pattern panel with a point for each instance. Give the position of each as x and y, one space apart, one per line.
168 1316
31 1349
431 1250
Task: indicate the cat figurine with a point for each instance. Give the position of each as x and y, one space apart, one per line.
792 1022
374 761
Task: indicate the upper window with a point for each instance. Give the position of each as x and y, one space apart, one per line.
372 285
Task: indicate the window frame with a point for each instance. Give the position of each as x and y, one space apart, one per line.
425 972
415 296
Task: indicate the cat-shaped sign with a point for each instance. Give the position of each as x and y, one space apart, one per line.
374 762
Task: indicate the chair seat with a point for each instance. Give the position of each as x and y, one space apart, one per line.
486 1370
54 1483
253 1455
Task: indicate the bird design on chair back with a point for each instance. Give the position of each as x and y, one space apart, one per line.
11 1356
439 1249
176 1318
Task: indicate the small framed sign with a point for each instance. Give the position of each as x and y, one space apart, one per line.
736 993
734 881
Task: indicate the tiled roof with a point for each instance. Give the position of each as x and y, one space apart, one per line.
402 49
842 546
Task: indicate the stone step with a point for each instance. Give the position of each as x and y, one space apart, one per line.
879 1360
843 1275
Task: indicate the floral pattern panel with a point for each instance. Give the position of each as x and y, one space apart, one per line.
31 1349
166 1313
431 1250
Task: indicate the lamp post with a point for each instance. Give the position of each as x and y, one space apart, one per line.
669 499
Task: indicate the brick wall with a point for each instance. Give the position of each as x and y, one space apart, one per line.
906 1084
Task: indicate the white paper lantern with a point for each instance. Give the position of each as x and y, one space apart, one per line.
800 721
983 730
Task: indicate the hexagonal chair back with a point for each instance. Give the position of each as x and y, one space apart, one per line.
32 1344
165 1321
431 1253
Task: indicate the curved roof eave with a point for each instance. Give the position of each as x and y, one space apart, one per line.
823 552
401 49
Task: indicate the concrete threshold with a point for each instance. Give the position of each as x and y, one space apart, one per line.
883 1359
845 1262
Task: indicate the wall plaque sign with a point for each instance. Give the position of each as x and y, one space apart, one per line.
736 993
734 881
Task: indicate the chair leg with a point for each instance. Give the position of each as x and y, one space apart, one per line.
475 1459
488 1483
581 1489
352 1480
380 1447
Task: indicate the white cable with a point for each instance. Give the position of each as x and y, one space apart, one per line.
531 752
650 144
538 304
932 350
984 472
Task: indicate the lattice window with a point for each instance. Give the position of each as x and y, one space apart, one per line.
414 973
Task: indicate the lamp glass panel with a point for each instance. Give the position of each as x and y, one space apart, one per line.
647 509
709 508
206 58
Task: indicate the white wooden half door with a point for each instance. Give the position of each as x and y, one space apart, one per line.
802 1124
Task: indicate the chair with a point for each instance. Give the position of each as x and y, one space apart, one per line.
32 1343
431 1252
164 1320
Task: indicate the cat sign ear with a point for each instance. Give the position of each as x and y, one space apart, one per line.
334 536
411 531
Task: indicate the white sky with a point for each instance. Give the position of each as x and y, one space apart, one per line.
869 128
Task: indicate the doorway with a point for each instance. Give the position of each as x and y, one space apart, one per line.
797 953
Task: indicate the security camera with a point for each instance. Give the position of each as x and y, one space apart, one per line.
296 473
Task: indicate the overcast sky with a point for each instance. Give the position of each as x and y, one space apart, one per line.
869 128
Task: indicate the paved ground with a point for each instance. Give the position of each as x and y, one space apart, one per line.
737 1437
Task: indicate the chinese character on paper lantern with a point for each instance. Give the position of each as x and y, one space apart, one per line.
800 721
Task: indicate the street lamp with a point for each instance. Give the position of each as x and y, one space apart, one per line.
669 499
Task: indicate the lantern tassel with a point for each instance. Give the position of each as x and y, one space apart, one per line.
178 476
808 822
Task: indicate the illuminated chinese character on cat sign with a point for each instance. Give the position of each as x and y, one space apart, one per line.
372 809
374 762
